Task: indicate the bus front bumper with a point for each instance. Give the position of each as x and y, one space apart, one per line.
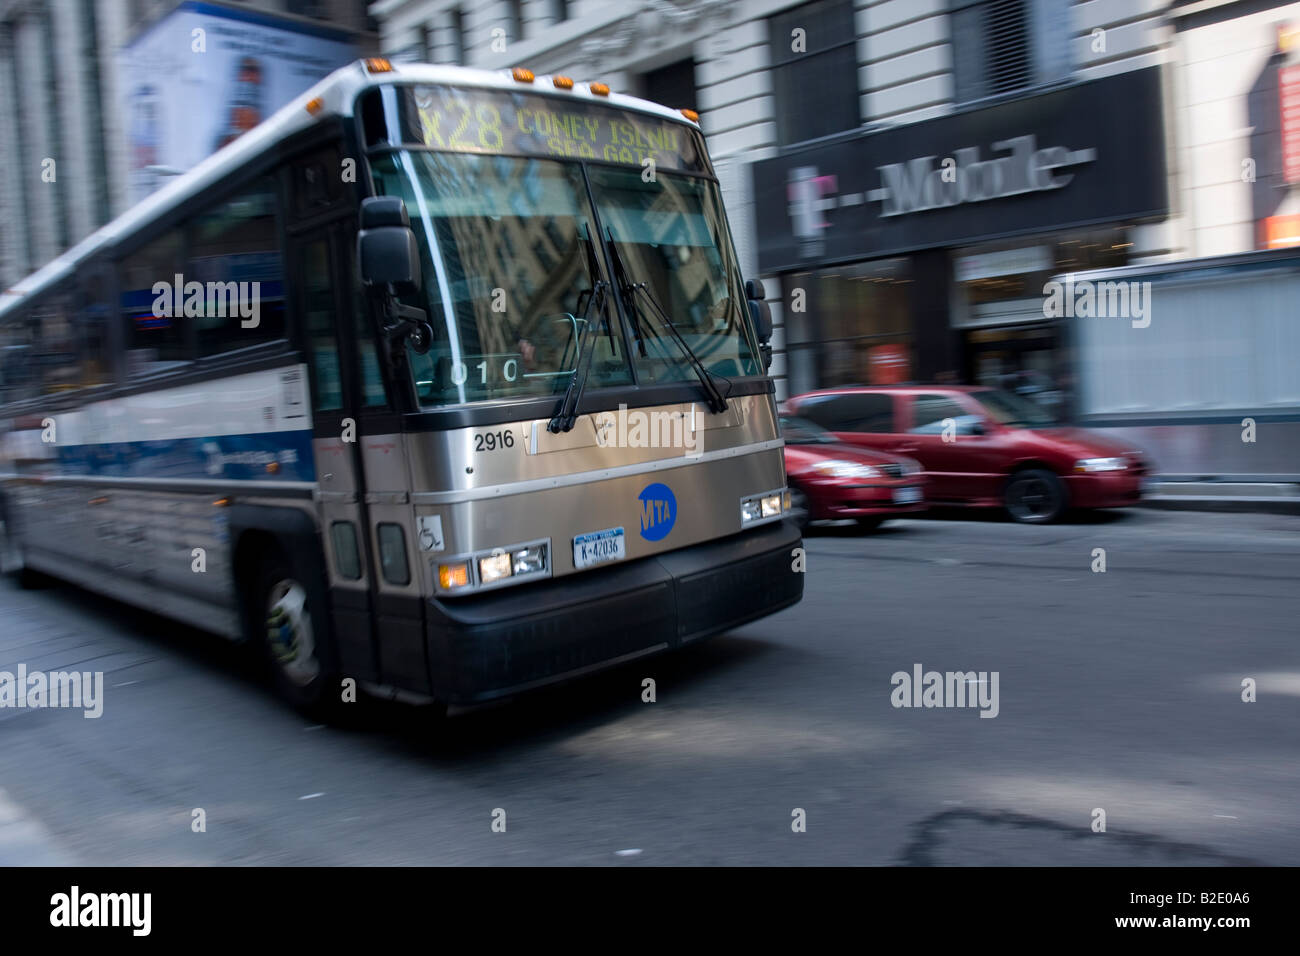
502 643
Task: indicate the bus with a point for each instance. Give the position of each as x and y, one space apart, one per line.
442 381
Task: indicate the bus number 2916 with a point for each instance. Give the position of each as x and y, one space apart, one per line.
493 441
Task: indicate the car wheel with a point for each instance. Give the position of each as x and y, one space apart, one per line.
870 522
292 637
1035 496
800 507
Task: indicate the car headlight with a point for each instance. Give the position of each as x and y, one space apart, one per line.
835 468
1100 464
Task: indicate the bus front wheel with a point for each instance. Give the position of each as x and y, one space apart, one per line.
292 637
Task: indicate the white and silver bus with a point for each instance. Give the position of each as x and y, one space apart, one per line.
442 380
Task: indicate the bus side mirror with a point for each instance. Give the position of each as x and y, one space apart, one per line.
389 261
760 315
386 250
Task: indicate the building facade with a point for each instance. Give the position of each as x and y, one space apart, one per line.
905 175
66 129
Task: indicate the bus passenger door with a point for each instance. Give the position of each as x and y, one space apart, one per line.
318 260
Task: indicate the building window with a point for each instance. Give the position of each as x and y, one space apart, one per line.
559 10
814 70
855 327
672 85
1000 46
428 44
459 48
516 20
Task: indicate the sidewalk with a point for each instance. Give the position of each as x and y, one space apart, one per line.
1179 494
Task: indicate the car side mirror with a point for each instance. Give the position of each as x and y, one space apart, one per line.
979 428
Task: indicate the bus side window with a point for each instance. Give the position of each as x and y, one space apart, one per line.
347 556
56 347
156 338
392 554
93 317
234 252
318 323
373 394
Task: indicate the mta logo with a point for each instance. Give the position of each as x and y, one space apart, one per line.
658 511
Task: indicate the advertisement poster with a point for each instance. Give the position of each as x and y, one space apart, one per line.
204 74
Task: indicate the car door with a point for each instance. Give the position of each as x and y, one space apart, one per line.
865 419
957 447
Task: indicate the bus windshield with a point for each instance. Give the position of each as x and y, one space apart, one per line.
505 265
670 234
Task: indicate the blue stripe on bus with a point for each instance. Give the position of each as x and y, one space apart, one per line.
238 457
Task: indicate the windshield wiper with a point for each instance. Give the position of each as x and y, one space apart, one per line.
717 402
567 416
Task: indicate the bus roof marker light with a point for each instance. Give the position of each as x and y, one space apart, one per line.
600 89
378 64
314 105
522 75
691 115
562 82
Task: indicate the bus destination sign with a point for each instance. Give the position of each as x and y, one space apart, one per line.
502 122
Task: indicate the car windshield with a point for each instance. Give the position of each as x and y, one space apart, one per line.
1012 410
801 431
503 247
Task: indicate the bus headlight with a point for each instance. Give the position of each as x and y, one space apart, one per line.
495 567
529 560
492 568
770 504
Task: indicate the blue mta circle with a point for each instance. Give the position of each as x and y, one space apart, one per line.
658 511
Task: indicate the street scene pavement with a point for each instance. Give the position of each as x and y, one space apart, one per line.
1118 691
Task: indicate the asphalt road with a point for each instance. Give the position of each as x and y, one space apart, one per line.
1118 690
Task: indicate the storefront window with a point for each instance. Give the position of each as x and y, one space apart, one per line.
1008 342
854 327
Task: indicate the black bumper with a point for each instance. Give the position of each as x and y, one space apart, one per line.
502 643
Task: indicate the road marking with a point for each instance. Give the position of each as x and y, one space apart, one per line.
312 796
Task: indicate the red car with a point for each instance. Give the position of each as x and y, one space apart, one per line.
983 447
829 479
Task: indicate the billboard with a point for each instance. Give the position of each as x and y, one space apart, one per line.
204 74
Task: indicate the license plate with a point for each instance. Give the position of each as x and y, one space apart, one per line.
598 547
907 496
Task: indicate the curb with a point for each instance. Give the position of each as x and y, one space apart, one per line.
1239 503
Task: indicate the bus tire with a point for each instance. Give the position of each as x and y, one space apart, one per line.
12 560
292 634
